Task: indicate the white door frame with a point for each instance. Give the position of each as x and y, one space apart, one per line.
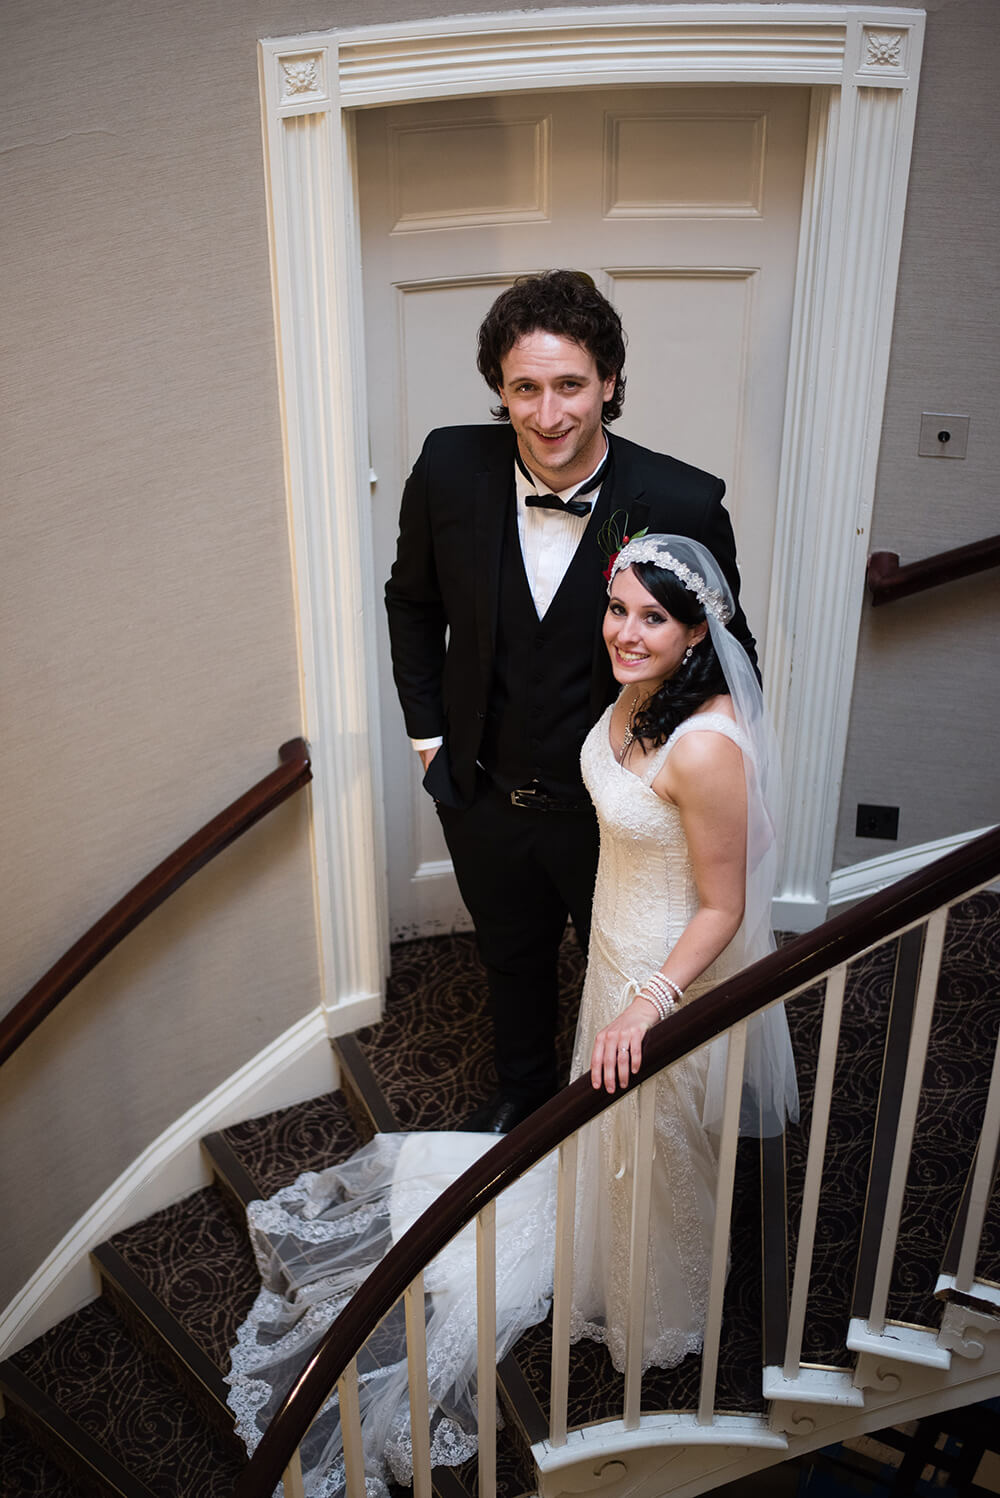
863 65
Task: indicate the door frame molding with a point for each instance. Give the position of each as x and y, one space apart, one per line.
862 63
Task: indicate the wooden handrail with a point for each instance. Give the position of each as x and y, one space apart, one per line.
83 956
887 580
787 970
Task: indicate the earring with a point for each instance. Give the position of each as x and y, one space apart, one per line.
689 652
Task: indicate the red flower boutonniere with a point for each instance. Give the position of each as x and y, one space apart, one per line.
612 536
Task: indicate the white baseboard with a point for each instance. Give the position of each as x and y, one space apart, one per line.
848 886
864 879
297 1065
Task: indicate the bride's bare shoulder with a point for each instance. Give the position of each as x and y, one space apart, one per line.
722 704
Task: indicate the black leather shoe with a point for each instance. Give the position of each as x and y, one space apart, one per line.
499 1114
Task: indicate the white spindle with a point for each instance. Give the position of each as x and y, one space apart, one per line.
350 1428
486 1331
930 967
642 1170
825 1070
562 1293
292 1478
982 1180
416 1359
723 1214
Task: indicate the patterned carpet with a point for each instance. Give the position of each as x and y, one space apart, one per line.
436 1030
955 1082
99 1366
956 1078
432 1052
432 1057
100 1377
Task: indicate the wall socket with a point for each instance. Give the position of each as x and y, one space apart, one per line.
943 435
877 821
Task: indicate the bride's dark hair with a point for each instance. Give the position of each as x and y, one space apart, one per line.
695 680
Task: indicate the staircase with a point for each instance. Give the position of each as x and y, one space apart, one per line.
126 1396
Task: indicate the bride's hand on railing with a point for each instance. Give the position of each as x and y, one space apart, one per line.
617 1052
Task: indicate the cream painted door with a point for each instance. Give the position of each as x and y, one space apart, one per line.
683 204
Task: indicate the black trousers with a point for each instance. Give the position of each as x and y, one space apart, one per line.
521 872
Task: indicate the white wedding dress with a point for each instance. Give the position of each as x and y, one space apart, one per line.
317 1239
644 897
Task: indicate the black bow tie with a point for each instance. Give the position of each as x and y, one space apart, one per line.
553 502
572 506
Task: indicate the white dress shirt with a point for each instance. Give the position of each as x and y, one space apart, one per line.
549 539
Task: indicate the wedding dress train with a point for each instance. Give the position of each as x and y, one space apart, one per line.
318 1239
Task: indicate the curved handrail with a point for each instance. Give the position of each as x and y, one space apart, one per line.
887 580
789 969
105 934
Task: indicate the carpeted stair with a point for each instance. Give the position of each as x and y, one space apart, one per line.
126 1397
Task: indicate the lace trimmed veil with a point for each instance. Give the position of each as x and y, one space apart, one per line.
770 1092
317 1240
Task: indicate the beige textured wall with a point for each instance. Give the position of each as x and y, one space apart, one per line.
149 659
148 666
926 706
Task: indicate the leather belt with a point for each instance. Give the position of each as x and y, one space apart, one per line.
535 797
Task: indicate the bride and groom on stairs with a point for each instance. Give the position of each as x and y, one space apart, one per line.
521 612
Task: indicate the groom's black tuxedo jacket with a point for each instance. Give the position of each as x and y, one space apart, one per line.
443 594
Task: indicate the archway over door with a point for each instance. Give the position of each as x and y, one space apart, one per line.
862 65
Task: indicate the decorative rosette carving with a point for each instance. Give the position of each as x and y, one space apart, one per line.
883 49
301 76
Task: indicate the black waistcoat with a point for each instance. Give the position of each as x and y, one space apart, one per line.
540 699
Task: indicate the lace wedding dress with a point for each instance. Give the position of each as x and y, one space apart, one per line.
644 897
317 1240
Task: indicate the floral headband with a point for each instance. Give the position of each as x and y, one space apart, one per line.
652 549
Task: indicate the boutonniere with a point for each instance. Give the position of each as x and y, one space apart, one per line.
612 536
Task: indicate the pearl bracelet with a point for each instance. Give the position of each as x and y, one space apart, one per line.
659 994
662 992
678 992
662 1006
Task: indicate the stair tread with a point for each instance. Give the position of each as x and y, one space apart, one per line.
279 1146
515 1470
952 1101
432 1053
198 1264
28 1472
98 1377
596 1390
955 1084
432 1057
847 1160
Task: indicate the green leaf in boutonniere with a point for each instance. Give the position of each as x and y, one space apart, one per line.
612 536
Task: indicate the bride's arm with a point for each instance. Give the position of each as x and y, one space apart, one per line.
703 776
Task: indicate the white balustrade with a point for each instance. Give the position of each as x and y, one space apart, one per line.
486 1324
826 1066
728 1140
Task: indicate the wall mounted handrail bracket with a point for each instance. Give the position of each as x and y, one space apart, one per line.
886 580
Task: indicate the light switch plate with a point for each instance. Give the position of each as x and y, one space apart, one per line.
943 435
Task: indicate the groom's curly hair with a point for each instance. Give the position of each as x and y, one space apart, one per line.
564 302
694 681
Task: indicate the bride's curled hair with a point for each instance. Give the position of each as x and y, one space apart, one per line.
695 680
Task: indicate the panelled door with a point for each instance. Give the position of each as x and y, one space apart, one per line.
683 204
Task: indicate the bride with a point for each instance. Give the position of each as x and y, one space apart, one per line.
684 775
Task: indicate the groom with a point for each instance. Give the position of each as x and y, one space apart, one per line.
495 605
